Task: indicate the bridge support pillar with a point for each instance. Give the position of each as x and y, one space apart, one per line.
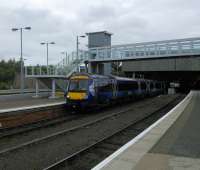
53 89
107 68
90 68
36 88
99 68
133 75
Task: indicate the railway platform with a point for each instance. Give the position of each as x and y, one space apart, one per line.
17 102
171 143
20 109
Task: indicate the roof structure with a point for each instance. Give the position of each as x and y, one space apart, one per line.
106 32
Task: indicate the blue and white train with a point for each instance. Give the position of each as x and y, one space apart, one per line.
89 89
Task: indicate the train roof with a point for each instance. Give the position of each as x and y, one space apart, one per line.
93 76
122 78
98 76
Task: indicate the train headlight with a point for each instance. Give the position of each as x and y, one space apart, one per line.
68 96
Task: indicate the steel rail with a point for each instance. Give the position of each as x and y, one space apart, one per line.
63 132
62 162
8 132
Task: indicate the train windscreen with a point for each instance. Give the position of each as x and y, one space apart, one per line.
78 85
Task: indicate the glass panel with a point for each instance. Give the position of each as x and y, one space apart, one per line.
78 85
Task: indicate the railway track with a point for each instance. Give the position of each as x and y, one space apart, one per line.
34 118
54 135
88 157
24 128
10 135
26 148
9 132
46 122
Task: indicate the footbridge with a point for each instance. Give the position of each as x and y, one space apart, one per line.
147 50
168 55
149 56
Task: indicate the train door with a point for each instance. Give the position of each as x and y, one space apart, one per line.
139 88
148 87
114 88
154 88
96 91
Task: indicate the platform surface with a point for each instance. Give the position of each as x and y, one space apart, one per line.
172 143
19 101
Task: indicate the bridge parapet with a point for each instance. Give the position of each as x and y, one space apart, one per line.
63 69
167 48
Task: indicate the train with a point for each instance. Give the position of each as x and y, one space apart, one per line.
87 90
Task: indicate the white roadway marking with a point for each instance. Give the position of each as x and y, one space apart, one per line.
137 138
30 107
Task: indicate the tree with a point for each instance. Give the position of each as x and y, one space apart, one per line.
8 71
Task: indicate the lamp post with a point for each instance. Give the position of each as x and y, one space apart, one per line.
77 48
21 57
66 56
47 46
25 68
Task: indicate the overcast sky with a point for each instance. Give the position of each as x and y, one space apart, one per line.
130 21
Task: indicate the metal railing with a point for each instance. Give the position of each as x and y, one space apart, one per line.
63 69
40 70
178 47
168 48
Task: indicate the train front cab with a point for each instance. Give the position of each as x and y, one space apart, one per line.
78 95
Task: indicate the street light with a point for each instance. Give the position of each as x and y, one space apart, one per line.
67 57
77 47
21 57
47 45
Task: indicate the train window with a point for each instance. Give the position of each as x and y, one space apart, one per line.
105 88
104 85
151 85
135 85
121 86
158 85
78 85
143 85
125 86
